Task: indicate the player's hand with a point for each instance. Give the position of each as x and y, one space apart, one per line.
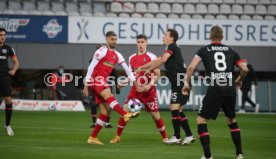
137 71
238 83
147 87
186 90
147 72
85 91
12 72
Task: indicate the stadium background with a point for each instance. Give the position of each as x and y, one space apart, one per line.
46 34
47 42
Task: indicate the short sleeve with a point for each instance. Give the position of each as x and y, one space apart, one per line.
237 59
120 58
170 49
200 53
11 52
152 56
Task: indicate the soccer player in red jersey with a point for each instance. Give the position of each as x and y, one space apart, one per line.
103 62
144 90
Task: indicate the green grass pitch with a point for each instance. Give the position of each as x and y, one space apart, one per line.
52 135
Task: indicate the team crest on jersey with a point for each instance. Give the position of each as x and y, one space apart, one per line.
114 57
4 51
145 60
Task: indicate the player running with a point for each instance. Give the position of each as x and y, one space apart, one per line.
146 92
219 61
174 65
103 62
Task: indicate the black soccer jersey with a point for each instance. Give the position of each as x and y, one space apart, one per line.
175 63
5 52
219 61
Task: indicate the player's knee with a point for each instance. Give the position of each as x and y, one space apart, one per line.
230 121
201 120
8 100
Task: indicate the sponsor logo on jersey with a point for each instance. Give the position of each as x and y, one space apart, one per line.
3 57
12 24
4 51
221 75
52 28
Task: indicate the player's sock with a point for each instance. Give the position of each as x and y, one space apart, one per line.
108 119
121 126
93 113
236 137
176 123
8 112
185 124
204 139
161 127
99 124
113 104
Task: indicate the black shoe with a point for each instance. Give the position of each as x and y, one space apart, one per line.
108 125
93 125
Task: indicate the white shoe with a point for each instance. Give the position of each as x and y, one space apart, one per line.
257 108
203 157
188 140
9 130
240 156
242 111
173 140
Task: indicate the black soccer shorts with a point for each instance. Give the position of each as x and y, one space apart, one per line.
5 86
211 106
177 97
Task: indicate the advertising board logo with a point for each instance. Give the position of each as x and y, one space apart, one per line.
11 25
52 28
82 25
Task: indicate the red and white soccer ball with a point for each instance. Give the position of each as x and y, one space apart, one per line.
134 105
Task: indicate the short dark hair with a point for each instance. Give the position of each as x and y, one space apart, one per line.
3 29
216 32
173 34
110 33
142 36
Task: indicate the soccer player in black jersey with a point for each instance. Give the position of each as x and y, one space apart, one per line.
219 61
174 65
5 84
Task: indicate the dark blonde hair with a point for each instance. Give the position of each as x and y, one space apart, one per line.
216 32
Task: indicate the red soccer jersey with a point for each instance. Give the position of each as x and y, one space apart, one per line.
104 62
136 61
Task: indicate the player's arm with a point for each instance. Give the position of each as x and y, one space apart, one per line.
15 67
190 70
243 72
126 68
155 63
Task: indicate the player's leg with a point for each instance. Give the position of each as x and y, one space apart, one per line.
229 111
185 126
159 124
107 124
208 110
204 136
8 114
175 139
114 104
5 89
99 124
93 114
120 128
244 94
